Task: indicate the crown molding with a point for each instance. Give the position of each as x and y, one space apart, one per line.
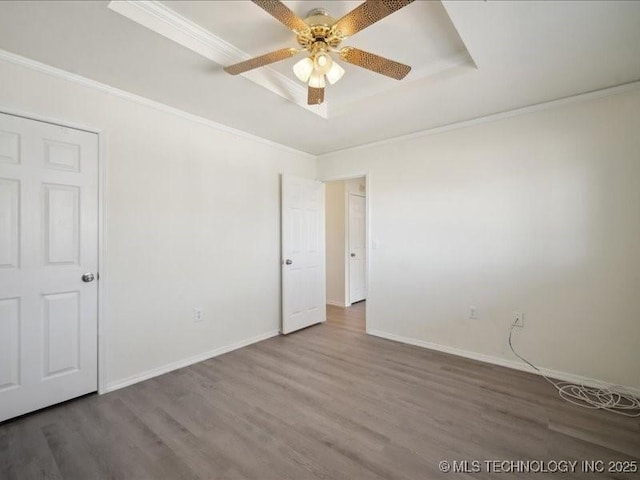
87 82
166 22
537 107
72 77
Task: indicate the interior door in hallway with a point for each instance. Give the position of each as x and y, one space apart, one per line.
303 253
357 248
48 242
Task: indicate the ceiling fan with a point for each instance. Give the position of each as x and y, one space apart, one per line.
319 34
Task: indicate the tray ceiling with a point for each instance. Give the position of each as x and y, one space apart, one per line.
420 35
469 59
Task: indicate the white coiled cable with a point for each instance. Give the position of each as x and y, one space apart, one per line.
615 400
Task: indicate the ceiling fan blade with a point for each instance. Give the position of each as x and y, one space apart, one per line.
367 14
283 14
315 96
261 61
375 63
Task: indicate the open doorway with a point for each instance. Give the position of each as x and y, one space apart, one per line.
346 252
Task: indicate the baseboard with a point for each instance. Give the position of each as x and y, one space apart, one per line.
503 362
336 304
187 361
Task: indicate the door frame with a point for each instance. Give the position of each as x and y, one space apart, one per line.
102 227
367 182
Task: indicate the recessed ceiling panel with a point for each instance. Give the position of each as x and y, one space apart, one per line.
420 35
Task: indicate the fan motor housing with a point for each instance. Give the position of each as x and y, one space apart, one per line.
320 29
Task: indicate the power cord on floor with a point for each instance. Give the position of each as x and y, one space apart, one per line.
598 398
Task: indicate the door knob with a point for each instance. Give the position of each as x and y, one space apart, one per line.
353 255
288 262
88 277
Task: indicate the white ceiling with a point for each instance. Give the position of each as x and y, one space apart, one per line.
525 52
420 35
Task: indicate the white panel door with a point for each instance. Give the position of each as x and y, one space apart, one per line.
303 262
48 240
357 248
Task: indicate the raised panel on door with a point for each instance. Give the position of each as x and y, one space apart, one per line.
313 227
9 147
315 290
9 223
297 229
297 289
62 155
61 214
61 328
9 343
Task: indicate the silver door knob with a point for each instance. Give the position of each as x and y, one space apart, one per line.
88 277
353 255
288 262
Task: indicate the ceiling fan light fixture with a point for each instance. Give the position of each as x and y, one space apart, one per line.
316 80
335 73
318 35
303 69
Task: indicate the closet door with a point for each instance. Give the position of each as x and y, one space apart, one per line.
48 264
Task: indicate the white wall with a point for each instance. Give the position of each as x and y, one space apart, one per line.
538 213
335 218
193 221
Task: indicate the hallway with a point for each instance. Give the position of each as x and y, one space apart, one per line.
351 318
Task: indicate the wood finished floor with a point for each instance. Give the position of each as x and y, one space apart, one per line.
327 402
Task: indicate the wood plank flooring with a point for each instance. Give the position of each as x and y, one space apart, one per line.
328 402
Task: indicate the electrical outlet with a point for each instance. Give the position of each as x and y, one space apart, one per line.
473 312
197 314
518 319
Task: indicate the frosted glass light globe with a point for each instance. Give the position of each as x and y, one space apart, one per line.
335 73
316 80
303 69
